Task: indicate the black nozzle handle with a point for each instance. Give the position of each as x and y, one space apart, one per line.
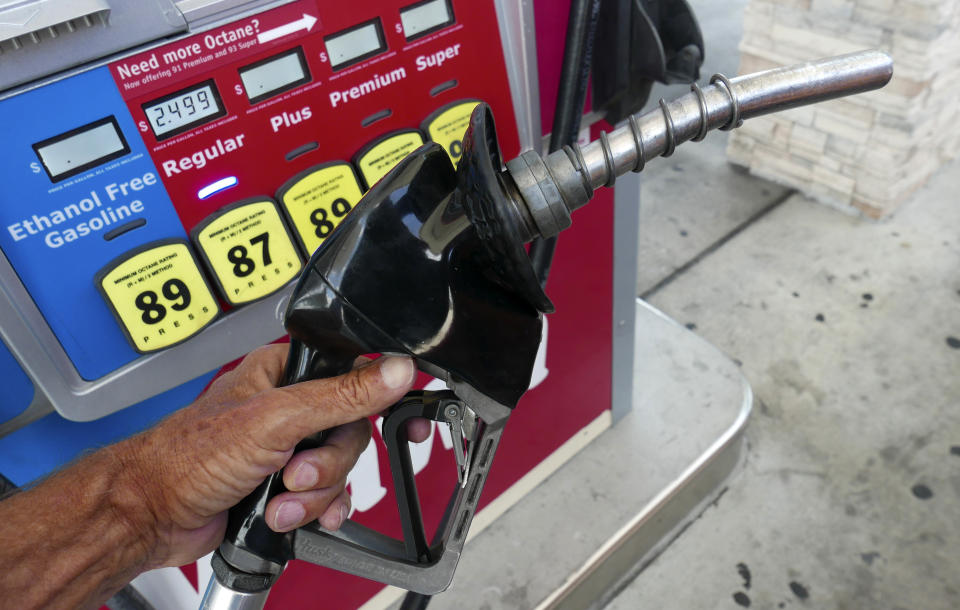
250 545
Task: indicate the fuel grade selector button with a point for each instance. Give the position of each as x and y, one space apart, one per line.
379 157
447 125
248 250
158 294
317 200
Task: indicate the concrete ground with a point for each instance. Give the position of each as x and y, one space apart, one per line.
849 332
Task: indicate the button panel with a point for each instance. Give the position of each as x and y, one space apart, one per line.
379 157
158 295
316 200
247 250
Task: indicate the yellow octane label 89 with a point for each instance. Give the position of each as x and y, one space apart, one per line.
160 296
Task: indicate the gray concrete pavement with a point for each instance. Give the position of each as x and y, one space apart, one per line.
848 332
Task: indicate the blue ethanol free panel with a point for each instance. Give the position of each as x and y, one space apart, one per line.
69 179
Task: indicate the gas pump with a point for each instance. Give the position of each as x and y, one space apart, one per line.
170 167
169 182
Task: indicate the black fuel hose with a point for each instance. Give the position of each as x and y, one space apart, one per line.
415 601
571 96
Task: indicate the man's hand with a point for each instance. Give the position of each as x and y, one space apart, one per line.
202 460
161 498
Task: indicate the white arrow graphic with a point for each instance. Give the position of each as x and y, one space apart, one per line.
305 23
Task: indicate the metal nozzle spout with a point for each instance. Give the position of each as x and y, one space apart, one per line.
554 186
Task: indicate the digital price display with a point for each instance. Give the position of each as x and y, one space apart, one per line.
183 110
356 44
425 17
82 148
275 74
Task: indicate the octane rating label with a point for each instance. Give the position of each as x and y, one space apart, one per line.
248 250
447 126
159 295
381 156
317 200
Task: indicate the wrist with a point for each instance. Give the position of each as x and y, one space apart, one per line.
133 503
86 527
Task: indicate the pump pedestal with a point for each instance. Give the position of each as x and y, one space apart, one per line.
607 511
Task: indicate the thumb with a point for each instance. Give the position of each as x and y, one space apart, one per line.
302 409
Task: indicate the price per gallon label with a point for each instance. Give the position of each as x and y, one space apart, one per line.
447 125
248 250
158 294
317 200
379 157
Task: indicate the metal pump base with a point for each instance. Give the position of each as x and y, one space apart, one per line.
591 524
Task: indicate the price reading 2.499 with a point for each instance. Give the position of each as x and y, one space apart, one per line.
183 110
180 108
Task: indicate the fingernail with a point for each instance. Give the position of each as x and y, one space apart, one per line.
331 521
344 512
289 514
397 372
305 476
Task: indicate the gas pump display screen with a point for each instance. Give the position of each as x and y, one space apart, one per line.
82 148
425 17
184 109
274 75
356 44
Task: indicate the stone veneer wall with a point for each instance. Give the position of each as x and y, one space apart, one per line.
867 152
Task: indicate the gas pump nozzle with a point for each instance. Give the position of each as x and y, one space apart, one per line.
552 187
431 263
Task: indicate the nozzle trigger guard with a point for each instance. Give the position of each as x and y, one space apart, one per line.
414 563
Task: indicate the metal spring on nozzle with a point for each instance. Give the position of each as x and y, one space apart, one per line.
724 83
575 155
608 159
638 140
670 132
702 102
